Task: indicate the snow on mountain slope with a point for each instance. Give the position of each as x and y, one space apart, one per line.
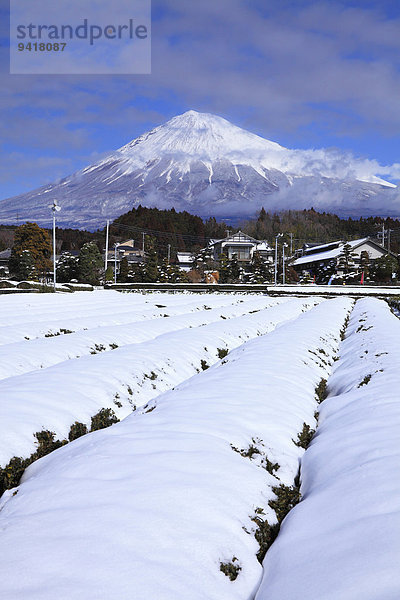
342 541
151 507
204 164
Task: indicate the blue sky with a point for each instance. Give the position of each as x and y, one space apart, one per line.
304 74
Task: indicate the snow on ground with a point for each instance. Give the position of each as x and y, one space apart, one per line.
127 377
149 508
343 539
25 318
19 357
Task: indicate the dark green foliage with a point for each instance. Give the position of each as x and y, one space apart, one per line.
47 443
343 330
321 391
67 267
222 352
123 276
305 436
151 266
153 376
181 229
265 535
113 346
231 569
97 348
286 498
104 418
90 264
77 430
383 269
248 452
31 252
204 365
365 381
312 226
11 474
270 466
259 271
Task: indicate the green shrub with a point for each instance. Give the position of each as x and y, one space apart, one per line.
321 391
305 436
365 381
204 365
286 498
222 352
104 418
47 443
77 430
265 535
11 474
230 569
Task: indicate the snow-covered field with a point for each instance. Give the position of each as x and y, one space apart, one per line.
181 499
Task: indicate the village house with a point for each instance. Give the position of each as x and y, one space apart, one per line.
242 246
316 257
125 250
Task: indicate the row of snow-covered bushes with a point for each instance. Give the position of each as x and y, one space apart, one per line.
343 540
186 487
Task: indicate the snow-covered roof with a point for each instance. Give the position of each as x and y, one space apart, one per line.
5 254
263 246
185 257
329 254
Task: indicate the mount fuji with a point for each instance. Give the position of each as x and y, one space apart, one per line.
205 165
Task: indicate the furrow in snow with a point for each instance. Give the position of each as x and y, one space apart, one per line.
40 353
113 309
343 539
123 379
157 504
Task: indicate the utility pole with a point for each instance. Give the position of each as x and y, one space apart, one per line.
115 263
276 258
55 208
169 253
283 263
106 258
291 243
143 234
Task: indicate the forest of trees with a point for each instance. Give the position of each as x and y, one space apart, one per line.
312 226
186 232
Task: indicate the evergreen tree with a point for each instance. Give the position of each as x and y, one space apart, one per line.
67 267
229 270
123 270
90 264
383 268
151 267
346 259
26 266
109 275
32 238
259 270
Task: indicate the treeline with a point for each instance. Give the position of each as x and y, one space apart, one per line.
312 226
186 232
182 230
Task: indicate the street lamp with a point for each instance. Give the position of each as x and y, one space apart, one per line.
115 261
55 209
276 258
283 262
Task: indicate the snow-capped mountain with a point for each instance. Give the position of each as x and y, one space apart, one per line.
204 164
